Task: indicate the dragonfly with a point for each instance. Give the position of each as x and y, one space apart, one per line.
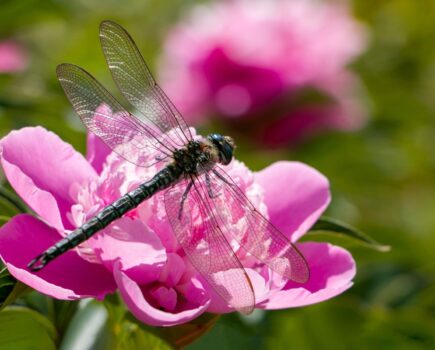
192 177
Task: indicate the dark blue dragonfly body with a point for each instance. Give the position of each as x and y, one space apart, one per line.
192 173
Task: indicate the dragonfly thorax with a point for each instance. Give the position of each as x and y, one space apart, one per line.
201 155
188 158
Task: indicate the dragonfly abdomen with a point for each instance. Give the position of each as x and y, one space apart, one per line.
163 179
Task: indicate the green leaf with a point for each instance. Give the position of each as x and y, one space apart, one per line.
12 200
10 288
182 335
4 219
17 290
115 307
125 332
63 313
185 334
25 329
334 227
133 337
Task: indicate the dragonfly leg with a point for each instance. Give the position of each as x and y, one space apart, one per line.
161 157
222 178
209 189
183 199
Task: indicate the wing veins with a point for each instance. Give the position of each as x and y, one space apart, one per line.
122 54
256 221
218 263
84 91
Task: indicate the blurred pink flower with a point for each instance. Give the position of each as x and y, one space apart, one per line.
12 57
256 63
138 254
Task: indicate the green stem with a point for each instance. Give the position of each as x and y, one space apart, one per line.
9 197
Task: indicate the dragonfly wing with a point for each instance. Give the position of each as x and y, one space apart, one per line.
136 82
105 117
206 247
253 231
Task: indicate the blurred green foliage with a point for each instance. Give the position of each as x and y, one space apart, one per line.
382 177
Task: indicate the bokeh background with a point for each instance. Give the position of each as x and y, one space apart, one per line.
382 175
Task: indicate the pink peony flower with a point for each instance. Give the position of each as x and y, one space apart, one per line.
255 65
138 254
12 57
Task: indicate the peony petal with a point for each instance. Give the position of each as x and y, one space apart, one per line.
68 277
96 152
139 250
213 48
332 270
37 162
141 308
167 297
295 195
239 88
43 202
173 270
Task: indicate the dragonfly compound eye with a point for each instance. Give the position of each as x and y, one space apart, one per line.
225 147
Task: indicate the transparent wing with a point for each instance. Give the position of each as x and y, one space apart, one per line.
206 247
136 83
102 114
252 230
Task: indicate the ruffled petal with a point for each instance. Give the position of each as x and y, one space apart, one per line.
144 311
332 269
42 202
96 152
139 250
173 270
37 162
295 195
68 277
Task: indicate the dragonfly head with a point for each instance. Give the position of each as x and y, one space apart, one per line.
224 145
